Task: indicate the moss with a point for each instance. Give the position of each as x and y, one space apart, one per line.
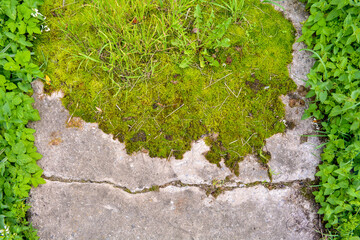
74 122
154 189
214 191
307 189
167 109
217 192
264 157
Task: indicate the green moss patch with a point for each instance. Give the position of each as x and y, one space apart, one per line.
161 74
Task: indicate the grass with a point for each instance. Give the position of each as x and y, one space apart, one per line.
161 74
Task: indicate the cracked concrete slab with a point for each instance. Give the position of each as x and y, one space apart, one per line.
85 152
90 179
98 211
294 156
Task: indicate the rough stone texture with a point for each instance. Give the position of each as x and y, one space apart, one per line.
84 211
291 158
87 153
301 64
89 176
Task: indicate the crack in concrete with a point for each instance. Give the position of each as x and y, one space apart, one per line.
212 189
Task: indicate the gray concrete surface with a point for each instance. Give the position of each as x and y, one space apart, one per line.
85 211
87 153
293 156
95 190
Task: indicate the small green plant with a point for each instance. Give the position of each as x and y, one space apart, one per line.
218 183
234 7
20 21
209 39
264 156
333 32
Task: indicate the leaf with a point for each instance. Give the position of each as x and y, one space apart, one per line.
33 3
323 96
32 26
355 94
214 63
348 106
335 111
306 115
24 86
22 27
355 126
7 189
6 109
224 43
348 21
202 61
37 179
11 66
340 98
32 168
10 8
23 57
328 191
2 80
23 159
351 39
12 26
22 41
24 11
310 94
198 16
186 62
333 14
10 86
36 156
19 148
30 137
17 100
10 35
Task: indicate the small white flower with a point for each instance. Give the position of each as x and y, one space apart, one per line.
5 230
45 28
36 13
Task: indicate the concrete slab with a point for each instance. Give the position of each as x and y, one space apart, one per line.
85 152
95 190
85 211
293 156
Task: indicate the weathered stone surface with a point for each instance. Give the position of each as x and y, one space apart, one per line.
292 158
84 211
250 170
87 153
90 171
